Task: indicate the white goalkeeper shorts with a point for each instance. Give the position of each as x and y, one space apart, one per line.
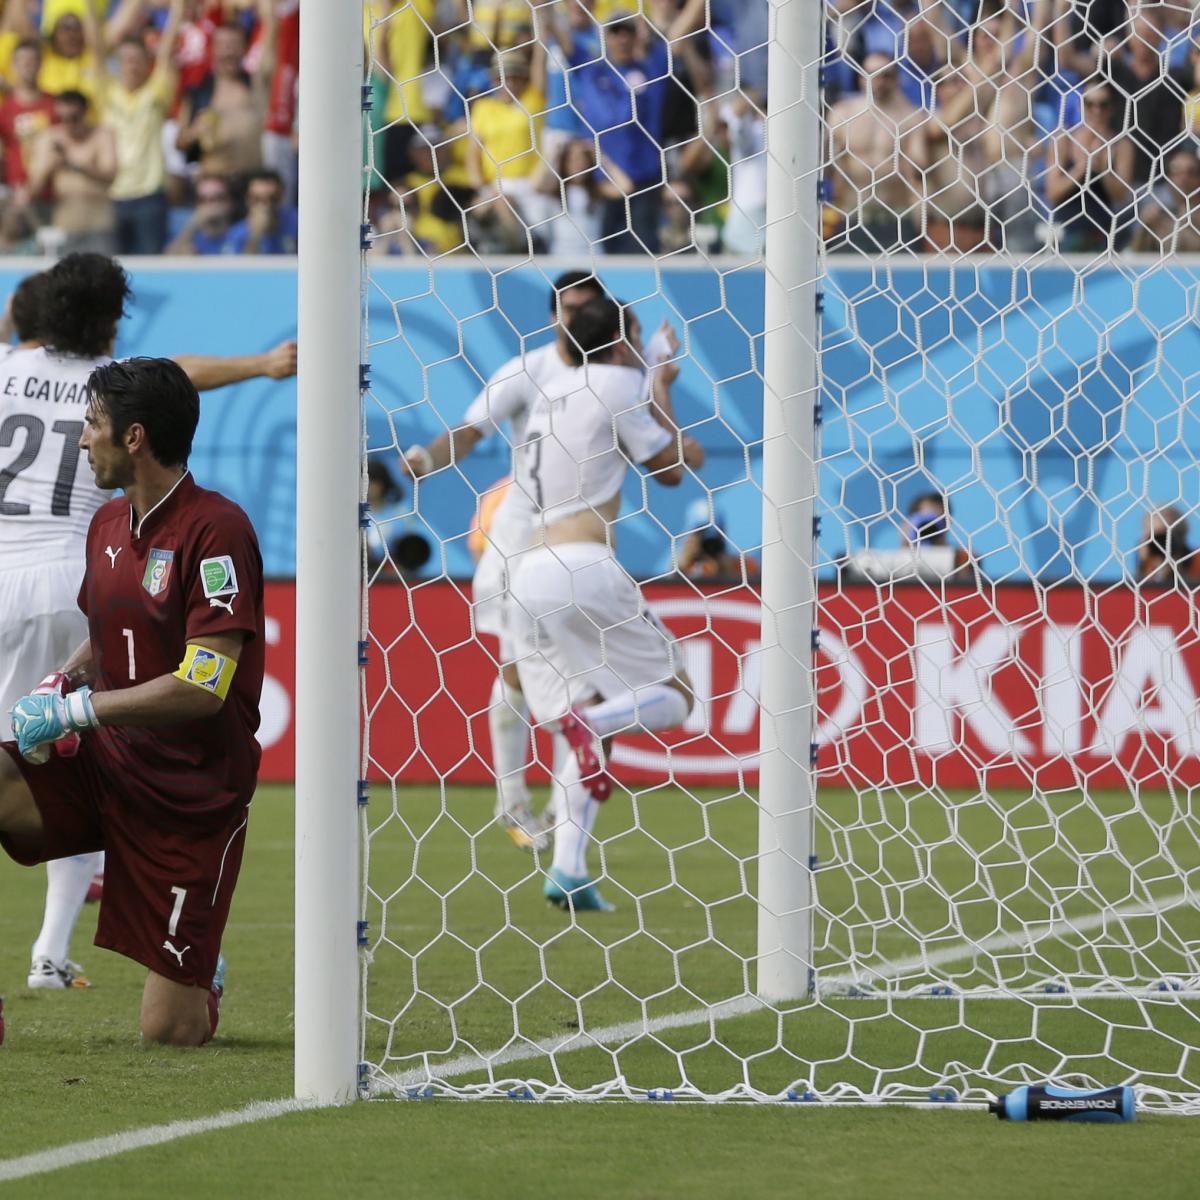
581 628
40 627
510 534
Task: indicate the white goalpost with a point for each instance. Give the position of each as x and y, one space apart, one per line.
791 351
928 832
328 556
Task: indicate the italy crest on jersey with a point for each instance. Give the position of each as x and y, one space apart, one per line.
158 571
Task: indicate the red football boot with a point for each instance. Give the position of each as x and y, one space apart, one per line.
586 747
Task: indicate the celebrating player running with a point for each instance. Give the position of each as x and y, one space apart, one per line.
166 692
593 661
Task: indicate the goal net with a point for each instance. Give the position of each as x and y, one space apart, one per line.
928 831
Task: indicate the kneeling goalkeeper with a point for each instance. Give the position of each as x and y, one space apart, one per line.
152 722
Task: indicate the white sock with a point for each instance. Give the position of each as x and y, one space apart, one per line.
555 806
508 723
574 829
67 882
645 711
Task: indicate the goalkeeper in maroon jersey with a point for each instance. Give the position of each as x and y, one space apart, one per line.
166 693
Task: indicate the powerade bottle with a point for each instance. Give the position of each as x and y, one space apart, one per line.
1065 1104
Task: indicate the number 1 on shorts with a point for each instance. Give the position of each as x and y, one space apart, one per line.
179 894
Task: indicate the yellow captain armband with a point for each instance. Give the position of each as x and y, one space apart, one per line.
206 669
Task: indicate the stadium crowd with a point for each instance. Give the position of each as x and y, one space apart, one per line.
150 126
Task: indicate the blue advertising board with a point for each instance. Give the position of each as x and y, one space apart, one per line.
1052 405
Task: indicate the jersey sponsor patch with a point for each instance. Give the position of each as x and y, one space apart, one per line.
158 571
218 576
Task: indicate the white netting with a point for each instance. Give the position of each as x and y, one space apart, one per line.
1005 844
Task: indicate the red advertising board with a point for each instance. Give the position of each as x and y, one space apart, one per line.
1008 686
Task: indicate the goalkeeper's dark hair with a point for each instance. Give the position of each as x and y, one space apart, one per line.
596 330
85 300
573 279
154 393
28 306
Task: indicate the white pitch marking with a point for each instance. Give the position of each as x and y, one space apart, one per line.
1026 939
609 1035
75 1153
585 1039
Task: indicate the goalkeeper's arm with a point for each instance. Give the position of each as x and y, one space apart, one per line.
195 691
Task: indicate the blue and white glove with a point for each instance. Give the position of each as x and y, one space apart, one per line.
45 717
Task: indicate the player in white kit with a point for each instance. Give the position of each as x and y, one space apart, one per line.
507 397
593 661
66 319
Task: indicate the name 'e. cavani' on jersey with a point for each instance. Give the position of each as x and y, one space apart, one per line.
48 493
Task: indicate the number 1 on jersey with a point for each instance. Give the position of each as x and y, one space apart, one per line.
132 662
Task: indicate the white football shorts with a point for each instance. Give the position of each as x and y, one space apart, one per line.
509 536
581 628
40 627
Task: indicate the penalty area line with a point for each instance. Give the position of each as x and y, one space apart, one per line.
76 1153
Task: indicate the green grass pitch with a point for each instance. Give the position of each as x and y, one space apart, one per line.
72 1067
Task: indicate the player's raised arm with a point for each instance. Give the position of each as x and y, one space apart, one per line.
208 372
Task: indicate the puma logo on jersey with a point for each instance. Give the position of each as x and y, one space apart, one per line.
178 953
112 554
217 602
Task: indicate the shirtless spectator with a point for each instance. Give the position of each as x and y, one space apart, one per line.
1087 177
878 151
982 137
26 112
1169 217
221 121
77 160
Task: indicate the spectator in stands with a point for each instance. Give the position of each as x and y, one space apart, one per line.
707 555
574 193
69 58
701 165
1164 556
747 214
1152 95
18 230
502 152
16 26
134 105
1087 179
563 123
278 141
208 228
956 219
77 161
222 119
269 226
877 151
1169 215
27 111
401 47
620 96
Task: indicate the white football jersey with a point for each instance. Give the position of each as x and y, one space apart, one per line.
581 438
509 395
48 493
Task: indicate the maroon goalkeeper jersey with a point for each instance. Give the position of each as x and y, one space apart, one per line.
190 568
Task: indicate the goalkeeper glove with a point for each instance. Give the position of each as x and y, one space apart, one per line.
66 747
48 716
